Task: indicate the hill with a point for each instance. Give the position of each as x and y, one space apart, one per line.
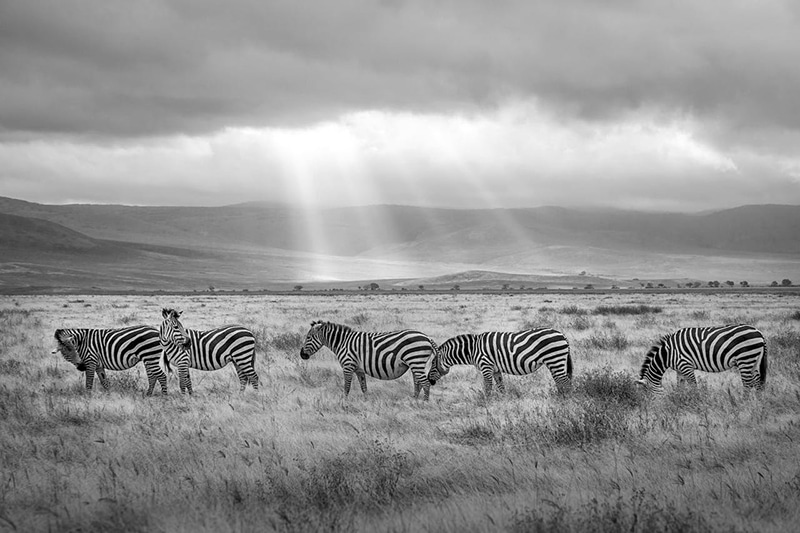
253 244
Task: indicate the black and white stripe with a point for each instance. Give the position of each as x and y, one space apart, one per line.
380 355
712 349
97 350
206 350
495 353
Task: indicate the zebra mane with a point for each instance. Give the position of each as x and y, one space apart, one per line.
652 353
61 335
319 323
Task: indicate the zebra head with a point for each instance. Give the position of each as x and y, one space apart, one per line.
172 333
439 361
652 369
69 346
315 339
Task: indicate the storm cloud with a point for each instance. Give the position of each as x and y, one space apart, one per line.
646 104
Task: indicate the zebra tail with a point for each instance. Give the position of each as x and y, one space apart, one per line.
569 364
163 363
762 368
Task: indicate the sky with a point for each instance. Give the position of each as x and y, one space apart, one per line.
679 105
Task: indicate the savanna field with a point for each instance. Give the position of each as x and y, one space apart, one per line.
296 456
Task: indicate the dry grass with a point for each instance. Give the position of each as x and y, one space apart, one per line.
294 456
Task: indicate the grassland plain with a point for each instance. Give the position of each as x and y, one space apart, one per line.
295 456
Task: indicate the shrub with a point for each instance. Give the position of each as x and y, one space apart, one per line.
608 340
365 476
610 386
574 422
288 342
699 315
473 434
580 323
795 315
573 310
360 319
640 309
638 512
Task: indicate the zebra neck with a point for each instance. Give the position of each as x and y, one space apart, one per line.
335 336
464 355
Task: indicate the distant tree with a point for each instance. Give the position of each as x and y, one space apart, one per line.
589 287
298 287
662 286
678 285
456 288
421 287
773 284
649 285
374 286
614 287
505 286
583 272
786 282
729 283
522 287
744 284
211 288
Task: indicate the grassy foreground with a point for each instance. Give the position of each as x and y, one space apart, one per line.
294 456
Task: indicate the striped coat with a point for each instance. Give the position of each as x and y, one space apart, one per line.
94 351
710 349
495 353
206 350
380 355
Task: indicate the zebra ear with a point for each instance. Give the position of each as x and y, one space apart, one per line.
165 312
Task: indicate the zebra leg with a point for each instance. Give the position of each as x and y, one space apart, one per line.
348 378
90 368
253 378
362 380
151 382
184 378
423 384
686 375
162 380
498 379
487 372
749 376
101 374
242 375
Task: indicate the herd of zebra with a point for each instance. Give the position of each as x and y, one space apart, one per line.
390 355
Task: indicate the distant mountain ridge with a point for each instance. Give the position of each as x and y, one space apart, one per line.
358 230
274 242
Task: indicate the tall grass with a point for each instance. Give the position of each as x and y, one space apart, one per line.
297 456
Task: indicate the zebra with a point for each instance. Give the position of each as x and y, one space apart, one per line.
206 350
97 350
710 349
498 352
380 355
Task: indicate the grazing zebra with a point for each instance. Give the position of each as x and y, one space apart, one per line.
206 350
712 349
98 350
498 352
380 355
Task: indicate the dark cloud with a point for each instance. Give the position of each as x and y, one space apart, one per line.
144 68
